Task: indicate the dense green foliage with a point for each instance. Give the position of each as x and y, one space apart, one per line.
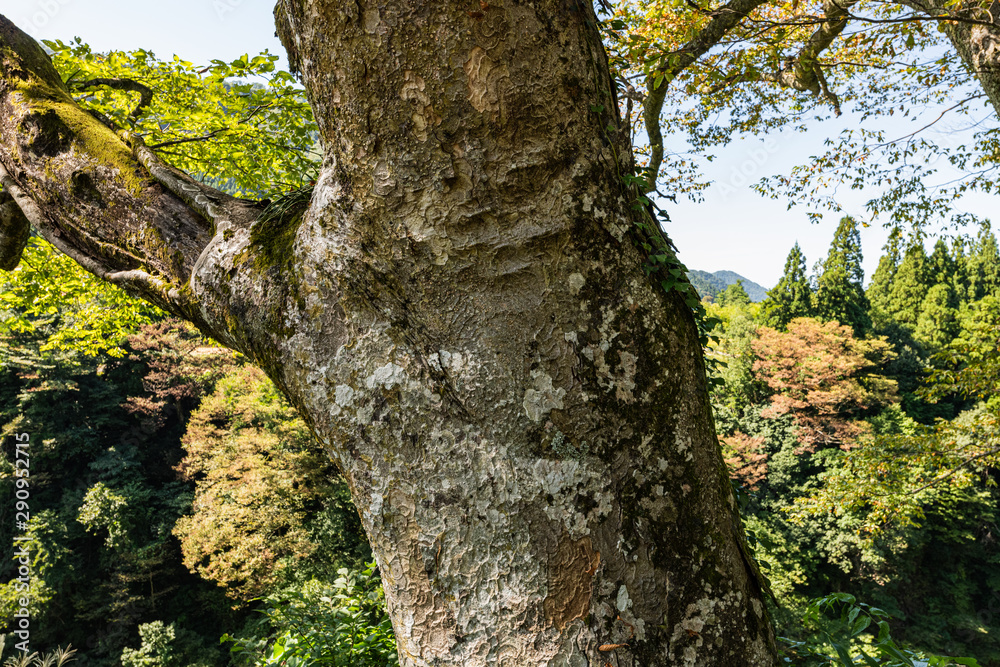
104 436
170 483
342 624
245 126
126 468
841 621
269 506
49 300
870 452
840 293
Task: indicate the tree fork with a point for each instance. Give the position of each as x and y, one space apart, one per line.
462 317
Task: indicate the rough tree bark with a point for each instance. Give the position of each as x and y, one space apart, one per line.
461 316
976 38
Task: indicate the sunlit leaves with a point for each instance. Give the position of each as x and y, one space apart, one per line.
338 625
257 473
889 63
893 477
855 633
891 480
105 510
823 376
49 296
242 126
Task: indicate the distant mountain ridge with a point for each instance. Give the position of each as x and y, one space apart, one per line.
710 284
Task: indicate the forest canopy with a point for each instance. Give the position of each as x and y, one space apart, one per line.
704 74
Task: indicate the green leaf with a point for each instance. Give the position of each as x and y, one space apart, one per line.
843 652
870 661
860 625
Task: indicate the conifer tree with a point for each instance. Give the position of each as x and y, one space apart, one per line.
937 324
881 286
984 266
792 296
941 265
734 295
960 280
910 285
840 296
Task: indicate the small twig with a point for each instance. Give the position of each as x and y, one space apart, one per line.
941 18
213 133
175 142
940 116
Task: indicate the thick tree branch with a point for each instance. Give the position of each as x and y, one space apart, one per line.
430 315
723 20
975 33
977 40
145 93
804 72
120 213
210 203
14 237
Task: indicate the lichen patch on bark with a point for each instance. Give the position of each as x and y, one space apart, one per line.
542 397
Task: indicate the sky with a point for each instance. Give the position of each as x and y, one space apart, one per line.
196 30
734 229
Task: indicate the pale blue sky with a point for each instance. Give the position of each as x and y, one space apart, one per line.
734 229
196 30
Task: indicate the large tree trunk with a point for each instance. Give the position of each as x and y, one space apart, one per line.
463 318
